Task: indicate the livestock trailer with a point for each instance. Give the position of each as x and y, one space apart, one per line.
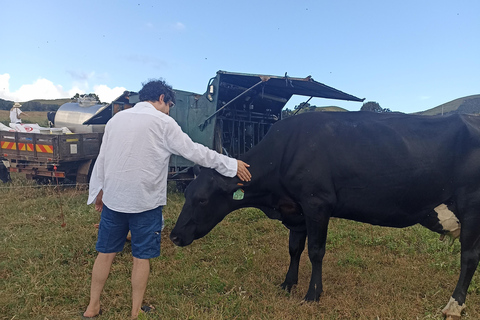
232 116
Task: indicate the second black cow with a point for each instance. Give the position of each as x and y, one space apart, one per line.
391 170
4 173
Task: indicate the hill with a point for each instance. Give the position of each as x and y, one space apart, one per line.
332 108
5 104
288 113
57 102
36 105
468 104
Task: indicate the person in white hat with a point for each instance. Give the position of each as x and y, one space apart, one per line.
15 113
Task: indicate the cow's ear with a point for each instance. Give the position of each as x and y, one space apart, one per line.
227 185
196 170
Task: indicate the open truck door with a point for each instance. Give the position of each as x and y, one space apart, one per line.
233 114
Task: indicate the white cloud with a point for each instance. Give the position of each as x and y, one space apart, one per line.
180 26
75 90
46 89
107 94
40 89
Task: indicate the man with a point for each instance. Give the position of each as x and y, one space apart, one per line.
15 113
129 185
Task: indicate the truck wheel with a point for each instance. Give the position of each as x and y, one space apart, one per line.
44 180
84 171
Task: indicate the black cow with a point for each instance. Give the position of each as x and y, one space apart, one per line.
4 173
391 170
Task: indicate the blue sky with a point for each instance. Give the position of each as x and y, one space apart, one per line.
406 55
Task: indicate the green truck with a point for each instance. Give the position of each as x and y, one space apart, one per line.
232 116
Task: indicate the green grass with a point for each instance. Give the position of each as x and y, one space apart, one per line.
39 117
232 273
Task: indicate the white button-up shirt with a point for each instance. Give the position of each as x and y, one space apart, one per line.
132 166
15 115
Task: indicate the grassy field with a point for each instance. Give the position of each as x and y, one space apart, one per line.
232 273
39 117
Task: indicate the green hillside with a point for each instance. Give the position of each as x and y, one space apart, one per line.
57 102
36 105
469 104
332 108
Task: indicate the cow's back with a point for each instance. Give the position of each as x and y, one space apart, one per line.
373 165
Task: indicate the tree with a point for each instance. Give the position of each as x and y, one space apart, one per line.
287 113
304 107
92 96
301 108
5 104
373 106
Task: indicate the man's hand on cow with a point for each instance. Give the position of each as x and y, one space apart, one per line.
242 171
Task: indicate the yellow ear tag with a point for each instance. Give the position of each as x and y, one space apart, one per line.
238 195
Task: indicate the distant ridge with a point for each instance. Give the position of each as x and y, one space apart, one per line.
57 102
331 108
468 104
36 105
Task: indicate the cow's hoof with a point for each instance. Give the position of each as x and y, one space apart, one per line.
453 311
312 297
287 286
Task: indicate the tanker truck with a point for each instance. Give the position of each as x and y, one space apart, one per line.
232 116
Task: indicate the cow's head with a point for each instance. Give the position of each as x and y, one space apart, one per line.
208 199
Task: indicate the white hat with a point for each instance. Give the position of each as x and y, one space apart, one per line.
17 105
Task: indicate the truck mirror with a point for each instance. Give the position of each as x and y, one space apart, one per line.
211 91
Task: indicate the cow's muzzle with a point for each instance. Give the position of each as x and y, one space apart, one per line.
179 240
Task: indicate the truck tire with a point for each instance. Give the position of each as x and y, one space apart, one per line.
84 171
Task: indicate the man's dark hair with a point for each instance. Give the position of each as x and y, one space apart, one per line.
153 89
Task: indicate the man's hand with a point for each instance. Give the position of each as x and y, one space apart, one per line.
242 171
99 202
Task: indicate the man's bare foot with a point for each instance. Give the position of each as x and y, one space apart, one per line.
89 314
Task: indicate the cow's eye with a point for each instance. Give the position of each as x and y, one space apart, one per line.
202 202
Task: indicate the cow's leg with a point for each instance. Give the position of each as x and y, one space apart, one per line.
470 256
317 237
296 245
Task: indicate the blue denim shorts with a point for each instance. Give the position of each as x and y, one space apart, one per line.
145 227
